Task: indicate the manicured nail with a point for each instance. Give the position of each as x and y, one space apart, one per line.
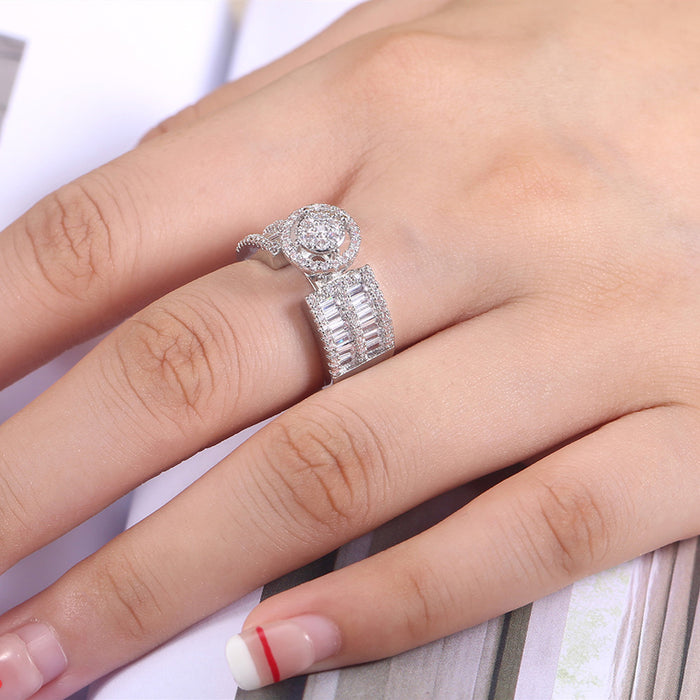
278 650
30 657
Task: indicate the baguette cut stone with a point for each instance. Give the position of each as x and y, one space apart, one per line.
352 322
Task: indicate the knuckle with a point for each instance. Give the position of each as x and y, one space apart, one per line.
533 177
176 357
329 467
155 131
416 55
131 597
185 117
571 528
429 604
70 236
17 524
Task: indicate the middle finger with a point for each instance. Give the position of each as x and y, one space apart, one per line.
198 365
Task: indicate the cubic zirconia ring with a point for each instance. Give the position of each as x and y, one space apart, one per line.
347 309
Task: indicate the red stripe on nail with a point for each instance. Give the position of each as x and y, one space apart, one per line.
268 654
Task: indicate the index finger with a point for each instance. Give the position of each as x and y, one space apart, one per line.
357 21
97 249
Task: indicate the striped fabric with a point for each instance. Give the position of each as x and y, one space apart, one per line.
10 56
658 648
630 632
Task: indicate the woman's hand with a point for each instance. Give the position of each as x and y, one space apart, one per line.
526 178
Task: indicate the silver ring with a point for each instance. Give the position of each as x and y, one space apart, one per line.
348 311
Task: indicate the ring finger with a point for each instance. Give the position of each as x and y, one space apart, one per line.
198 365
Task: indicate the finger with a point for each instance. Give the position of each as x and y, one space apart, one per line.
98 249
206 361
591 505
325 471
196 366
362 19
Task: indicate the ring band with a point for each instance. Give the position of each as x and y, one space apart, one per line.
347 308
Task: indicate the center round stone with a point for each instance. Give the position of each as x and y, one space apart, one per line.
320 233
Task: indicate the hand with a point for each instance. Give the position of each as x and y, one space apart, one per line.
525 176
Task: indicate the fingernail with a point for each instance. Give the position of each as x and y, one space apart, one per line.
278 650
30 657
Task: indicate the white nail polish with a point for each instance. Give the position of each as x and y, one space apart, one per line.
272 652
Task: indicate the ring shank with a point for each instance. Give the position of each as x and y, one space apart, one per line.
347 309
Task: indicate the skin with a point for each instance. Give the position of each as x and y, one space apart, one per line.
525 175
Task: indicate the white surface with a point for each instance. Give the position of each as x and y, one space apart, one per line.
94 77
272 28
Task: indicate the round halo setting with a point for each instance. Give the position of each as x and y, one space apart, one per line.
320 239
320 232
